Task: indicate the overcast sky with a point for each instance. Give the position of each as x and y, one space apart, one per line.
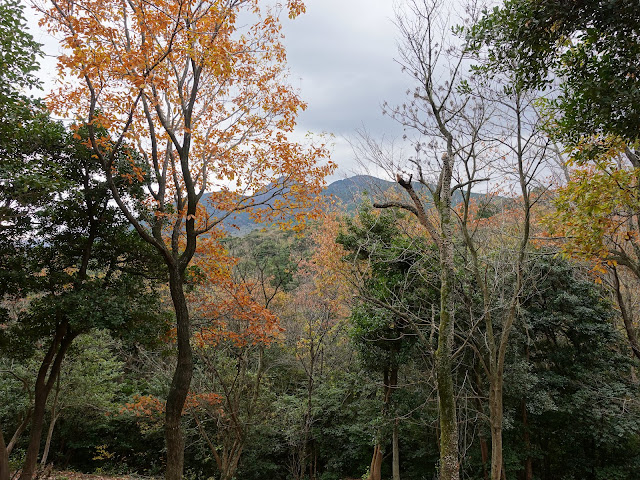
342 52
341 55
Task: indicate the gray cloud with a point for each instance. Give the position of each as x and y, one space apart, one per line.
341 54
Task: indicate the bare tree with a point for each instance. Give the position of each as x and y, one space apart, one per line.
435 116
497 250
465 133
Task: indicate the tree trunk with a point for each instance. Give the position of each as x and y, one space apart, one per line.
47 444
181 379
52 424
528 462
375 470
449 460
31 460
484 453
449 465
19 430
395 465
395 450
4 459
314 471
495 408
232 467
48 372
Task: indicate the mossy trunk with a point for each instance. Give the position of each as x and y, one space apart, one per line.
449 463
449 456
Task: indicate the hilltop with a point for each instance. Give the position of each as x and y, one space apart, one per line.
346 194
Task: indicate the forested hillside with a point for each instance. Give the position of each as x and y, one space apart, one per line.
184 295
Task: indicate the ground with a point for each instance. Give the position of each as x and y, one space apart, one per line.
85 476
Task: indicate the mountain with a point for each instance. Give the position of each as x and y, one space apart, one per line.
347 194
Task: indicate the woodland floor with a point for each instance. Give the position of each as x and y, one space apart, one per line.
64 475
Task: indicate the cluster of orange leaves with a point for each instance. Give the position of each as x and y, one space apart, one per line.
144 406
232 314
235 317
594 212
147 406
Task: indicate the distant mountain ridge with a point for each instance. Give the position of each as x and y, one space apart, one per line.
347 193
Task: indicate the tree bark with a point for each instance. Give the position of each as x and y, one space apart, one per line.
4 458
181 380
19 430
395 463
496 417
48 372
375 469
449 464
52 424
449 459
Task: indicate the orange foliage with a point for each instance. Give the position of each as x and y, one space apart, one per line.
234 316
326 265
203 98
144 406
149 406
230 312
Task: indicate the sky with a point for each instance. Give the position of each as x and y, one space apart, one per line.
342 52
341 57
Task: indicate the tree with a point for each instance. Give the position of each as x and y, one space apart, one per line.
88 382
206 102
441 118
18 59
81 267
26 132
508 145
576 380
238 321
313 310
396 296
597 216
589 45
